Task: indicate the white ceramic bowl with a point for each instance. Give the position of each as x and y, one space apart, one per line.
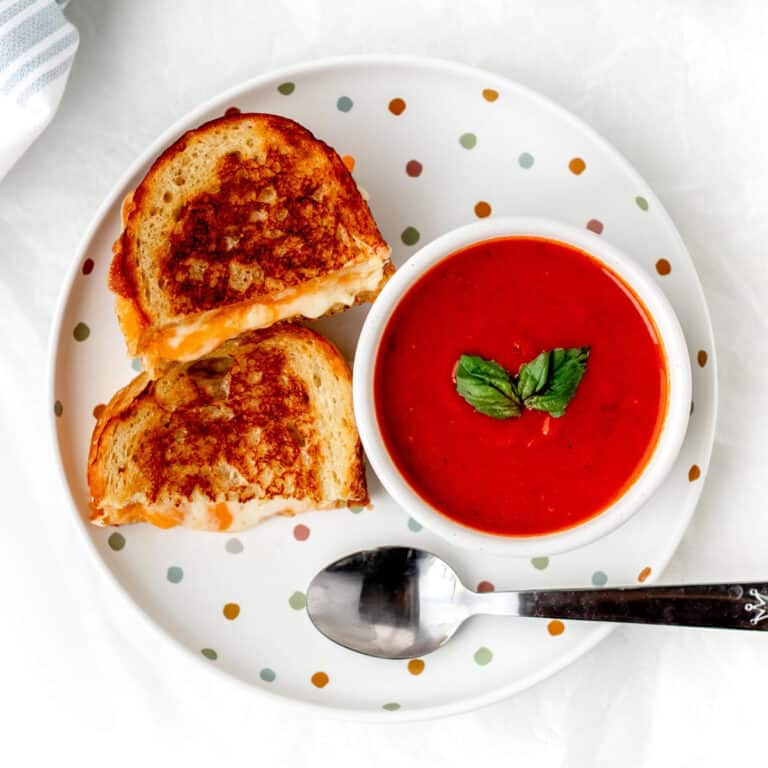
672 432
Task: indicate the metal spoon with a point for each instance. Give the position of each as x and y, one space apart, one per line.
398 602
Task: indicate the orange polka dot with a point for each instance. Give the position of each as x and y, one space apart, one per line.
415 666
644 574
349 161
577 166
320 679
663 267
694 473
701 358
555 627
98 410
482 209
397 106
489 94
231 611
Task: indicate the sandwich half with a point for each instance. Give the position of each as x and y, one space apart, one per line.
243 222
261 426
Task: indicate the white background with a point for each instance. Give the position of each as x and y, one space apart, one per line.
680 88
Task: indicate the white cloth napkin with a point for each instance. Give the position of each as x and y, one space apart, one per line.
37 47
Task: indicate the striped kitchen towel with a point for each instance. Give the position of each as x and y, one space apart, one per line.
37 46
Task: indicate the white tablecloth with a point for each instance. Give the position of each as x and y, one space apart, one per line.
679 87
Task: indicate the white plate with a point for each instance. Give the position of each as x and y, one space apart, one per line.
466 141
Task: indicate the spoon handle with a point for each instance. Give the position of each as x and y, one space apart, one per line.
729 606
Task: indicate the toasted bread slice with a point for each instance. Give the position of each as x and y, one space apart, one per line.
261 426
243 222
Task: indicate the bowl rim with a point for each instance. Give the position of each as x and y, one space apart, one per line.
668 443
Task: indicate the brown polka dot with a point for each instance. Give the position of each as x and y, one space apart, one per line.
555 627
231 611
577 166
413 168
88 266
320 679
485 586
232 111
694 473
595 225
397 106
98 410
701 358
349 161
415 666
482 209
663 267
489 94
644 574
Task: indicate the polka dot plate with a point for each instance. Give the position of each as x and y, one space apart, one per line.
433 145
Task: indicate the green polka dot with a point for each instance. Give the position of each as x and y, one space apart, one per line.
136 364
297 601
525 160
483 656
540 563
81 332
286 88
410 236
58 408
642 203
175 574
468 140
116 541
599 578
391 706
414 525
344 104
267 675
356 510
209 653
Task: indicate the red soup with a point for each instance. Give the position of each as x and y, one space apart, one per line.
508 300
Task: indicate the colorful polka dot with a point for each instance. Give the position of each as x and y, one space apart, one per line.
81 332
349 162
232 111
209 653
555 627
58 408
297 601
413 168
483 656
644 574
320 679
231 611
234 546
344 104
391 706
286 88
397 106
410 236
525 160
356 510
694 473
88 266
596 226
301 532
485 586
701 358
416 666
116 541
641 203
414 525
663 267
267 675
577 166
174 574
136 364
599 578
540 563
468 140
489 94
482 209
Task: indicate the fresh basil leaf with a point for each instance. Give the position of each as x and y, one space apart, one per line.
567 368
487 387
533 375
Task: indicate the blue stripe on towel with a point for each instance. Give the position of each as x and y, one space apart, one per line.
34 63
14 10
45 79
30 32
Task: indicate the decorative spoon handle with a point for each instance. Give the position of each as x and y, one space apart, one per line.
730 606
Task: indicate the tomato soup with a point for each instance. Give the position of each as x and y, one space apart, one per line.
508 300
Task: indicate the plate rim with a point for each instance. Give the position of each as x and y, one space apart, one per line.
444 66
